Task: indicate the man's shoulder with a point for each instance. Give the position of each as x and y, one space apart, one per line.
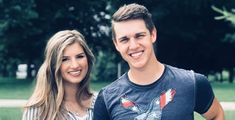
179 71
117 84
180 74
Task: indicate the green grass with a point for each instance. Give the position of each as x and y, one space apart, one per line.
224 91
16 89
229 115
22 89
10 113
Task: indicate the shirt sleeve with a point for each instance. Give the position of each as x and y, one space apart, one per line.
204 94
100 109
30 113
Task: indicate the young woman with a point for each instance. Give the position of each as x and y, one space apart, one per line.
62 88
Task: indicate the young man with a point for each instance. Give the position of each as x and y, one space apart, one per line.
151 90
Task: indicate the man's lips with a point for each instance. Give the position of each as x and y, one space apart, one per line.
136 54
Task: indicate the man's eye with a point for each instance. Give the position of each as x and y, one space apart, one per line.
139 36
123 40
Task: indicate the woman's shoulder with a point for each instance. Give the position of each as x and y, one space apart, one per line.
31 113
93 99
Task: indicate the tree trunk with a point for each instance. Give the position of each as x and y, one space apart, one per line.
231 73
29 70
4 70
221 76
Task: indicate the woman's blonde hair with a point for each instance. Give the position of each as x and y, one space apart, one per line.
49 92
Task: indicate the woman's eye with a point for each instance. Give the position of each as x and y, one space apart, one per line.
64 59
80 56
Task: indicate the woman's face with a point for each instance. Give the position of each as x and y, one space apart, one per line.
74 65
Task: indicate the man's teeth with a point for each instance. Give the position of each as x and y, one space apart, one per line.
136 54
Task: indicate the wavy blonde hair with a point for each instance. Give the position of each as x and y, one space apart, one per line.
49 92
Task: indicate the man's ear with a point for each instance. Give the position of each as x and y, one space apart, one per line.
115 44
154 35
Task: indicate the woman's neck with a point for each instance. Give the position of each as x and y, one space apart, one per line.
70 101
70 91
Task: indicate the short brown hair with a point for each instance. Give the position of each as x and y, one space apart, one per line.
131 12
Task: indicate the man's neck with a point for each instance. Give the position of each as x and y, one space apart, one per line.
148 75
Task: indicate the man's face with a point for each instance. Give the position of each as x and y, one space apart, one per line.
134 42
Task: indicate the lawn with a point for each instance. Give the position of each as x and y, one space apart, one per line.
224 91
22 89
10 113
229 115
16 89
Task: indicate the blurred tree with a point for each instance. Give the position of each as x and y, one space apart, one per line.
27 25
229 37
91 18
188 35
227 16
16 31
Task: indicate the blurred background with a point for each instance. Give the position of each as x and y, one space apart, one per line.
192 34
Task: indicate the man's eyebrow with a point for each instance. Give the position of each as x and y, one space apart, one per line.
126 37
123 37
141 33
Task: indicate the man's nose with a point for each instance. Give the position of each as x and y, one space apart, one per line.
133 43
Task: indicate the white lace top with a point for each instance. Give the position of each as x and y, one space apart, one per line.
31 113
89 112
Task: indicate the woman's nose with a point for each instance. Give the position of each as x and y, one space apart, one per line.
74 63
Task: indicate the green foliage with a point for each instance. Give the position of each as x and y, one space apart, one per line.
96 86
186 27
226 15
26 25
16 29
105 67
